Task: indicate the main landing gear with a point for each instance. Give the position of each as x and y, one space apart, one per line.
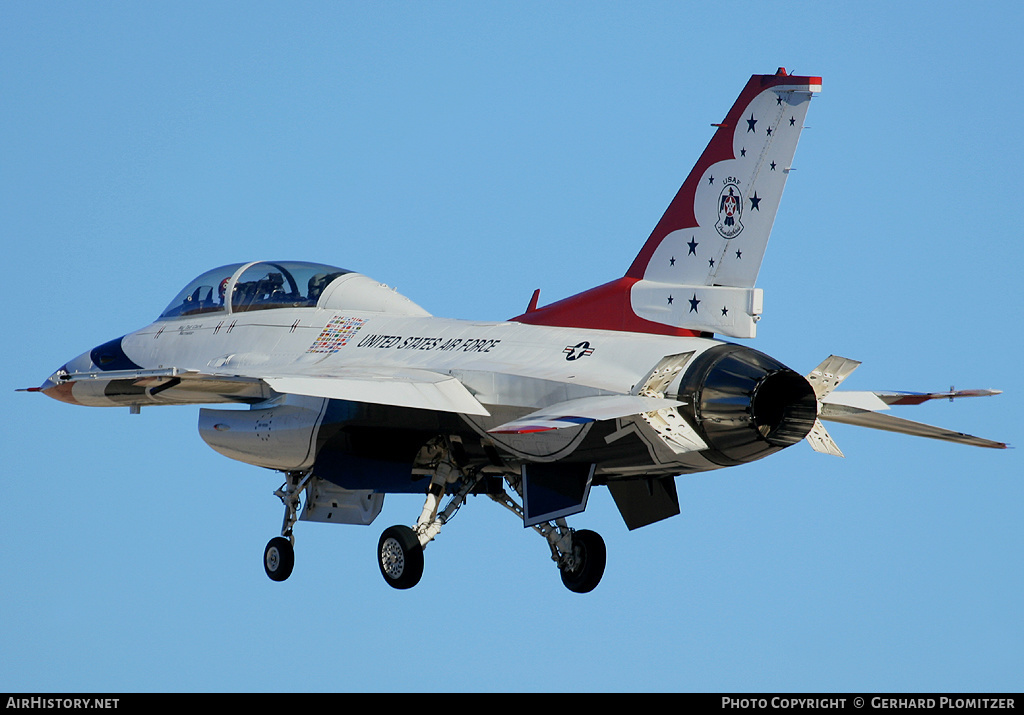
579 555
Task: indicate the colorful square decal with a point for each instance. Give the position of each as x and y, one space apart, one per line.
336 334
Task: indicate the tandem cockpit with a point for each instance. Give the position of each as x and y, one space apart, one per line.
261 285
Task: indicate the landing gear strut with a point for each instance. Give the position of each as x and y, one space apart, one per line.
579 555
279 556
400 549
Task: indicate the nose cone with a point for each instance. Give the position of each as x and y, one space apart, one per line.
102 377
103 358
58 390
58 386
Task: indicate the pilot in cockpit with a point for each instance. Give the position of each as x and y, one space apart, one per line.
318 283
316 286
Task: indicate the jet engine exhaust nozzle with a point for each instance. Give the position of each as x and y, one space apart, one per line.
745 404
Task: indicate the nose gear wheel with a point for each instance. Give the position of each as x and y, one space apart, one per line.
279 558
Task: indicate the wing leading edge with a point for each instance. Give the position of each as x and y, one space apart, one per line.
400 387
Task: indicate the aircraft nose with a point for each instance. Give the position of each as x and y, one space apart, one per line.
109 356
53 387
57 387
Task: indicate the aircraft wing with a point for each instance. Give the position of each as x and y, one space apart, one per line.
572 413
402 387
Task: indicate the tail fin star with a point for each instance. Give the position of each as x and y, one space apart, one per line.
711 240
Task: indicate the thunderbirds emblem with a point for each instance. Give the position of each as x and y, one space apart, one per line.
730 206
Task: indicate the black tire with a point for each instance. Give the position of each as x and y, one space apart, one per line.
278 558
400 557
592 555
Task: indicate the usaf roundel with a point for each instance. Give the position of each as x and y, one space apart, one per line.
730 208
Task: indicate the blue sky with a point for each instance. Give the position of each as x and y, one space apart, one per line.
468 153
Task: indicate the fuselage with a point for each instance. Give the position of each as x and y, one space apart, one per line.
225 355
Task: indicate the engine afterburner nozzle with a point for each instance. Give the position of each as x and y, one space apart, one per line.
745 404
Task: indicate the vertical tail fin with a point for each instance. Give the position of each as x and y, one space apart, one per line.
696 272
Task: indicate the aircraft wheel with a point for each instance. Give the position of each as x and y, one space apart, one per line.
400 557
278 558
591 557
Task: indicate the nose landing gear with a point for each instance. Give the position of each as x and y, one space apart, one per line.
279 558
279 555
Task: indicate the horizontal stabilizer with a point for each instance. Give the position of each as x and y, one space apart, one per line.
400 387
875 420
573 413
863 408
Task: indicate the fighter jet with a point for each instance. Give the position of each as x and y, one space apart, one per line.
352 391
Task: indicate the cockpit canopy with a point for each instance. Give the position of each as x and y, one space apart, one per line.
254 286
